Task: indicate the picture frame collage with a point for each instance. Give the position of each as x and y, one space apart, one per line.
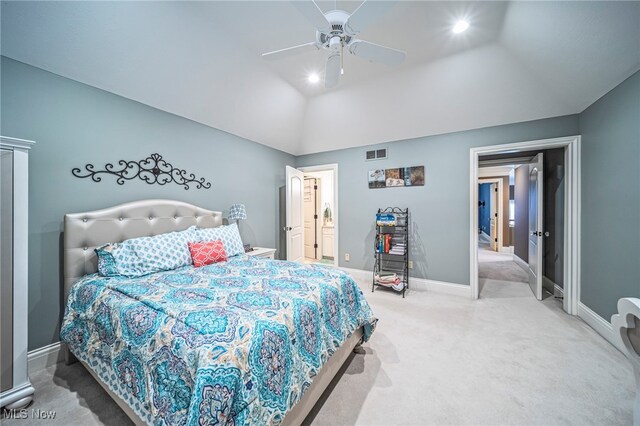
396 177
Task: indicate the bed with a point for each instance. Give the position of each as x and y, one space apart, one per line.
247 341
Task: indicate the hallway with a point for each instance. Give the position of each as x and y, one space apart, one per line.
499 268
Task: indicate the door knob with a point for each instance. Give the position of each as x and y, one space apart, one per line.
287 228
546 234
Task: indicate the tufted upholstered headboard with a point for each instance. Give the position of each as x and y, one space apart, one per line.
83 232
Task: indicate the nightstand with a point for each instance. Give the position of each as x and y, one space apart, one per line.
262 252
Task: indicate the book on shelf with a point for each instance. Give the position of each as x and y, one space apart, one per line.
386 219
383 243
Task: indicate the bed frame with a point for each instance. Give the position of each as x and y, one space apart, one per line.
83 232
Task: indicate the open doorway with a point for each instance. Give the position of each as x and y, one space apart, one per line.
537 221
312 202
319 206
497 271
545 242
491 211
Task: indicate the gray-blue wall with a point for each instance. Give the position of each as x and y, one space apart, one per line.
521 228
611 198
74 124
439 209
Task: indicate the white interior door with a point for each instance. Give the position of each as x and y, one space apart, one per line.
493 216
295 214
310 217
535 226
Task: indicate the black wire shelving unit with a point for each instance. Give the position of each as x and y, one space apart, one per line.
396 260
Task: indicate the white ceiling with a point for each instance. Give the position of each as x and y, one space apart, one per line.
201 60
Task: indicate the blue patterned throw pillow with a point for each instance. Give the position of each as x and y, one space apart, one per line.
229 235
164 252
106 261
146 255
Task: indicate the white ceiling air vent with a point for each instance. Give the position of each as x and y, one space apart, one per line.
376 154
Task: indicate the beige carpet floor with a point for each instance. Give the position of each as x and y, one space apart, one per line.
497 266
435 360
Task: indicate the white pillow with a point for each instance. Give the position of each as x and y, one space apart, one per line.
229 235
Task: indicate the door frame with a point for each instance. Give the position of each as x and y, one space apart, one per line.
499 209
571 273
336 222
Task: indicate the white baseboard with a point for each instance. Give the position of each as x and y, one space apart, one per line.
418 284
521 263
506 249
547 283
559 290
443 287
46 356
599 324
358 274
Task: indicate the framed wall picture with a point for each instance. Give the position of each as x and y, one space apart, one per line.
376 178
414 176
396 177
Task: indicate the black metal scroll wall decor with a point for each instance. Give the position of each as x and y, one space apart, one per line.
153 170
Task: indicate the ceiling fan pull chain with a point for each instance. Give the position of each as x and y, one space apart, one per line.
342 58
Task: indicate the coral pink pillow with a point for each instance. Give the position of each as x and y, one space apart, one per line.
207 252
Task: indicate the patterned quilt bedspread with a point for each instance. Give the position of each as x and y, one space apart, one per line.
237 342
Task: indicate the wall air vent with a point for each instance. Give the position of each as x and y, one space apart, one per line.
376 154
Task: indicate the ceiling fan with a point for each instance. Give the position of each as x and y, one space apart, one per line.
336 31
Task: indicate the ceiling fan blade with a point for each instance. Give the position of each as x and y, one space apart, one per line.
332 72
289 51
365 15
312 12
376 53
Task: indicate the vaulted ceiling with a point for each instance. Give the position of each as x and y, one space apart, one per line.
518 61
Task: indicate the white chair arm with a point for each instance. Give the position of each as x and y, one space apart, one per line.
626 327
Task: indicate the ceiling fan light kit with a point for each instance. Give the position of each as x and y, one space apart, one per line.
336 30
460 26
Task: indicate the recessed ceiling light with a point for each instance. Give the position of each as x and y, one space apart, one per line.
313 78
460 26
